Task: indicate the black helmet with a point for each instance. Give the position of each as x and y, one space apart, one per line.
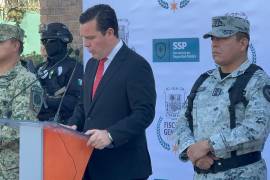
56 31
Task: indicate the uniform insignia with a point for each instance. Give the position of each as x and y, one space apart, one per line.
59 70
42 73
210 71
266 92
51 74
36 98
216 92
80 82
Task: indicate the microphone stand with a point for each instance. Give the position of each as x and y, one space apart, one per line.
56 117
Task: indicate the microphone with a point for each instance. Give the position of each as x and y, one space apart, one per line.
8 103
56 117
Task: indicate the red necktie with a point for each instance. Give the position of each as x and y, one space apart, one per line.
99 75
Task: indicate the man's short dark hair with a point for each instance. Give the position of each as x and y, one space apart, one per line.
241 35
21 47
104 15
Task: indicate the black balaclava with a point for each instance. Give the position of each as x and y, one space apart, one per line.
56 49
55 37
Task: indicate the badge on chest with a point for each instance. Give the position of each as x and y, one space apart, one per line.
217 92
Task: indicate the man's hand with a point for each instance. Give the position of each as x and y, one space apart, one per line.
198 150
205 162
98 139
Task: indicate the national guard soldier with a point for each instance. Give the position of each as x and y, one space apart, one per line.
223 128
57 72
18 100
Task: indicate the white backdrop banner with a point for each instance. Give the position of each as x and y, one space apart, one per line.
168 33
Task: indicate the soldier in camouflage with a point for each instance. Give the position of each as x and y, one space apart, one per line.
15 104
211 141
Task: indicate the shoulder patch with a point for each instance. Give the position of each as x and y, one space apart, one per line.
36 98
266 92
59 70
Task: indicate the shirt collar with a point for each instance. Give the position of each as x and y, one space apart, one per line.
114 52
239 71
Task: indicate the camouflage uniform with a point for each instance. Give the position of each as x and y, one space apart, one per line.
20 108
211 121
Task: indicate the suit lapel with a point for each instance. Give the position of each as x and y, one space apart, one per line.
89 81
109 73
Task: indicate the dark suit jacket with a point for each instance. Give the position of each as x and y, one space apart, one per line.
124 104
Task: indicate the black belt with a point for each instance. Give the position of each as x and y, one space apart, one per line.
231 163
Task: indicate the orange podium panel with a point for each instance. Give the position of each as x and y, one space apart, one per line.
65 154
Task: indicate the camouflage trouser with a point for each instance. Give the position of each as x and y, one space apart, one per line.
9 163
255 171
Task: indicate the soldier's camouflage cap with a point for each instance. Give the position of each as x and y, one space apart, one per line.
226 26
8 31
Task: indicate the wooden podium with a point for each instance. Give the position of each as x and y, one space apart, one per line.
49 151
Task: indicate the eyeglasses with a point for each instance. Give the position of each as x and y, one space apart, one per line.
46 41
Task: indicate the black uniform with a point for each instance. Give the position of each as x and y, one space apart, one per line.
55 73
54 84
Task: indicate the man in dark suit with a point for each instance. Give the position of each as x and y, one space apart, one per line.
118 101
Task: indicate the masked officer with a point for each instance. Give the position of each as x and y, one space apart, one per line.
225 124
60 75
